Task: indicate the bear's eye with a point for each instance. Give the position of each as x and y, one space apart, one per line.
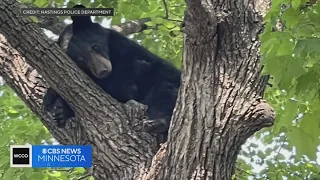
96 48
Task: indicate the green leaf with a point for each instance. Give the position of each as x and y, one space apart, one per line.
307 82
80 170
147 31
4 140
309 44
41 136
116 20
177 28
95 4
27 172
163 29
300 45
150 23
261 155
296 3
4 160
271 175
70 4
305 144
157 20
34 19
169 24
285 48
307 30
153 7
106 3
139 36
124 7
148 42
291 17
9 174
41 3
37 175
144 9
288 116
145 15
268 44
85 2
310 125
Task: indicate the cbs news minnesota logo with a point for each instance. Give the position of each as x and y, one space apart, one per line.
20 156
57 156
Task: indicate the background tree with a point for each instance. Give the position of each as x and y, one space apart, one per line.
156 25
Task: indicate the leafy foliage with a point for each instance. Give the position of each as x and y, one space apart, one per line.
291 56
290 51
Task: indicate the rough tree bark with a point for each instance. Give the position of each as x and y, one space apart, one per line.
220 101
219 105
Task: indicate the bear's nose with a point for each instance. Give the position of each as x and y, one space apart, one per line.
103 73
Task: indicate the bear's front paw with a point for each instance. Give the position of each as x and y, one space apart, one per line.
155 126
57 108
59 114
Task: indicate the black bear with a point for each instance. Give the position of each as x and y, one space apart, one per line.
122 68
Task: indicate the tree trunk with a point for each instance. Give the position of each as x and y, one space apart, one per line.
220 100
219 105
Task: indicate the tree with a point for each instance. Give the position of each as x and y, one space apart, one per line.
220 69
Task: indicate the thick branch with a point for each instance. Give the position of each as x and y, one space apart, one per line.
119 152
219 104
29 85
131 27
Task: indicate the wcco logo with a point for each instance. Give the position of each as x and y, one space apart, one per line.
20 156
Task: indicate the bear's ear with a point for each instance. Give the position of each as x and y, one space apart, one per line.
78 6
80 22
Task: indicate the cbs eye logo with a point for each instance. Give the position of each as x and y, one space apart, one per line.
20 156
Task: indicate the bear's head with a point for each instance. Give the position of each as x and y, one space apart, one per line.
85 43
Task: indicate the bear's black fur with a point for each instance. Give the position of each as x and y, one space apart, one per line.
122 68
